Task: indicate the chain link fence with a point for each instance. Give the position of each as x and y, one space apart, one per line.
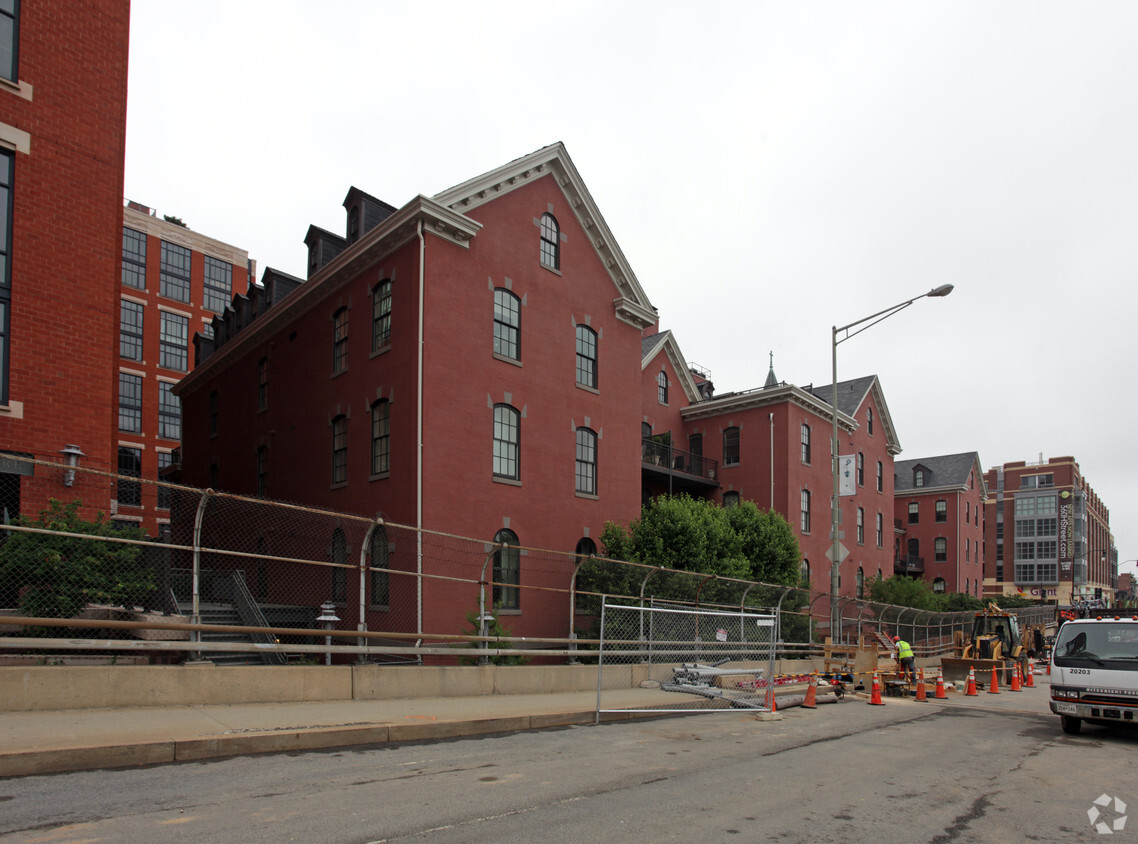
235 579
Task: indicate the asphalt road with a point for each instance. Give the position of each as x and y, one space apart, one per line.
902 772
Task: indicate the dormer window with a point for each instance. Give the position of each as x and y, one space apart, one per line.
353 224
550 242
918 477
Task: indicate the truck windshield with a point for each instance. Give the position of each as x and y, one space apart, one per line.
1101 644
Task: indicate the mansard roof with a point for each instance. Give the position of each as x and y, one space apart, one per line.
946 471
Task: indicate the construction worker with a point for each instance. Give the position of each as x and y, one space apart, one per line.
906 658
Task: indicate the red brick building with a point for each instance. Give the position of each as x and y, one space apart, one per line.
474 363
63 83
173 282
1047 533
938 508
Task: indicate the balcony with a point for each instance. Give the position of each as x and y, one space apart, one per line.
908 564
680 470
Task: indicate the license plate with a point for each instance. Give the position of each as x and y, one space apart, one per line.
1065 708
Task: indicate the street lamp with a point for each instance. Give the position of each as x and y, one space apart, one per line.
836 502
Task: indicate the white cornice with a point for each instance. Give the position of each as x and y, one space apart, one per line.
765 397
632 303
671 349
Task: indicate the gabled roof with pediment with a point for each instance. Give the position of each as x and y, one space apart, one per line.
652 346
852 395
631 302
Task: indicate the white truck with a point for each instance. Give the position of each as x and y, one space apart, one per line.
1094 672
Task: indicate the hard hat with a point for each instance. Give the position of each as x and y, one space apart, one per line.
896 638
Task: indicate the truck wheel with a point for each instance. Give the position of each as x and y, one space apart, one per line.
1071 726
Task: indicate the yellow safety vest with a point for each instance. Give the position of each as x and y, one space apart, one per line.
904 650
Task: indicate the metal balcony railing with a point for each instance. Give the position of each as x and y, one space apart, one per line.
655 453
908 564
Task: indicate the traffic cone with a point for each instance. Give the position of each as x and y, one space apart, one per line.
1048 668
970 689
940 695
774 700
1015 686
811 693
875 694
921 693
1029 678
994 686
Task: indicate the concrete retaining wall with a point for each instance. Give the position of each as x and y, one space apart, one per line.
33 688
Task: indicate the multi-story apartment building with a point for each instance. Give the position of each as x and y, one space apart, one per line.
173 282
1047 533
938 504
63 83
485 363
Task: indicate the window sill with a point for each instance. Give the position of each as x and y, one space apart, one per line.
588 389
509 612
343 371
550 269
729 466
340 485
380 476
506 359
20 89
382 350
506 481
589 495
12 410
379 607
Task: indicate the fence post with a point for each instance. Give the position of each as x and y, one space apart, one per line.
196 618
361 625
483 616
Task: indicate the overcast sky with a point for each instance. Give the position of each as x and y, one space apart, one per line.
770 169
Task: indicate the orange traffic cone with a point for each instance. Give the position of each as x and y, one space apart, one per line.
994 686
1015 686
1029 678
875 694
774 701
940 695
970 689
1048 668
921 686
811 693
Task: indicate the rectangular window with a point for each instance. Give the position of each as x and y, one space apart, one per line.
129 489
1025 528
1046 527
217 290
10 39
586 461
130 403
130 330
731 447
340 340
340 450
940 549
381 316
7 162
165 459
134 258
804 522
507 324
880 531
174 272
380 437
586 356
805 443
506 442
914 513
263 384
942 511
880 477
860 526
169 412
173 339
262 471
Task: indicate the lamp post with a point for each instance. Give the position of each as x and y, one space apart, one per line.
836 501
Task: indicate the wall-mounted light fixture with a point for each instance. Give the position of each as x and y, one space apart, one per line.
71 455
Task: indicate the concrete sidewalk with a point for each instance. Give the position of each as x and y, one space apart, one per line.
87 739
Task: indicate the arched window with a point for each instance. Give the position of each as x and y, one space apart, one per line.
339 566
507 442
507 571
804 572
860 583
805 514
586 356
662 387
805 443
550 242
379 561
340 449
938 585
586 461
507 324
585 548
381 315
730 499
340 340
380 437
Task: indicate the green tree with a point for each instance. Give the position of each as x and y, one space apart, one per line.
959 602
58 575
903 591
767 541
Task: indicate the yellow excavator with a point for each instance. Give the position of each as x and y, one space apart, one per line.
996 642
